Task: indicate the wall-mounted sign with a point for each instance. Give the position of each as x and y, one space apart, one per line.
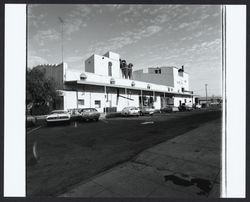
112 81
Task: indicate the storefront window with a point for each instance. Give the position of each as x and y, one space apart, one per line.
80 101
97 103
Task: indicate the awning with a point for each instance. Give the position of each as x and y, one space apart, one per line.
82 82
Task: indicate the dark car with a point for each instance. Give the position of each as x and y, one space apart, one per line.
185 107
89 114
169 109
74 114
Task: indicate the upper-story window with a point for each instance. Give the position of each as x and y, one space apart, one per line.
158 71
110 68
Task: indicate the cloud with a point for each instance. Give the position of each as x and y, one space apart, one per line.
46 36
35 20
76 19
183 25
34 60
73 59
124 39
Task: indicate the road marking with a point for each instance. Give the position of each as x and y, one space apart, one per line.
75 125
147 122
35 150
104 120
34 129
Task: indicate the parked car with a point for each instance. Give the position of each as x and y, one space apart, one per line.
130 111
57 116
146 111
89 114
74 114
198 106
169 109
185 107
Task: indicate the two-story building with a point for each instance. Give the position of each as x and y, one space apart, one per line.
106 84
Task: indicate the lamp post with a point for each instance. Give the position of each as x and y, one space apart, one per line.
62 22
206 93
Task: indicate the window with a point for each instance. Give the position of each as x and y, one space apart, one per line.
81 101
110 68
158 71
185 100
97 103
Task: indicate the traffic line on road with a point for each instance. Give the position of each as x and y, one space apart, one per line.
147 122
103 120
28 132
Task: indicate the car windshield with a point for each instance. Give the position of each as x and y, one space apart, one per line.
58 112
86 110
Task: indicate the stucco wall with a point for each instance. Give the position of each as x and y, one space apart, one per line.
55 71
107 100
180 81
165 78
89 64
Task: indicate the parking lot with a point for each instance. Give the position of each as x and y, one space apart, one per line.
70 154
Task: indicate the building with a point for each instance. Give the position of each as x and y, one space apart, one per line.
209 101
107 83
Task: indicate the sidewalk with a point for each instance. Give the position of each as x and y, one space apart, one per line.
187 166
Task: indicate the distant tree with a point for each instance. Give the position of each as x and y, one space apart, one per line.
40 91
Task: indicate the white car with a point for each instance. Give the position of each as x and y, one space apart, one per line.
130 111
58 116
146 110
198 106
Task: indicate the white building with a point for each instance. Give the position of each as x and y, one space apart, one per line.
103 84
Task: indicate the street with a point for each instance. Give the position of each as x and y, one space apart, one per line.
68 155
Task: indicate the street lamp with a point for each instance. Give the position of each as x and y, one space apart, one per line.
206 93
62 22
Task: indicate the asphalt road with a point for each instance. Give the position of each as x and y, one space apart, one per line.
68 155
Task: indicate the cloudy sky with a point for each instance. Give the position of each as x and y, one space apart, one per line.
145 35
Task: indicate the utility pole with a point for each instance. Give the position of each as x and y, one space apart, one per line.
206 93
62 22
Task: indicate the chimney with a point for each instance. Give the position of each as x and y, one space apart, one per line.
182 67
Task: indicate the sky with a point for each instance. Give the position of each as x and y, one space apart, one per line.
144 35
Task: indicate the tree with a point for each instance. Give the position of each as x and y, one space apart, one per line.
40 91
130 65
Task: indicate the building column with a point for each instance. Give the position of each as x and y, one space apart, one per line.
126 93
154 97
141 100
77 99
105 99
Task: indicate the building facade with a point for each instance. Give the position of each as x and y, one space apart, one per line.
108 84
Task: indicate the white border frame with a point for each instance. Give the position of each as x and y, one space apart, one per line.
14 109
